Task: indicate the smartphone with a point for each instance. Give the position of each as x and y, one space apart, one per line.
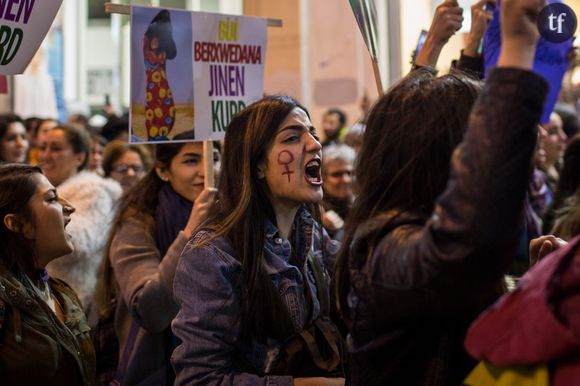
420 44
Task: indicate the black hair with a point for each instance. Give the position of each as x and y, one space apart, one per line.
341 115
17 187
79 139
160 27
403 164
244 205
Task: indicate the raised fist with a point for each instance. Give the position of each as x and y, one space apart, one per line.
518 20
447 20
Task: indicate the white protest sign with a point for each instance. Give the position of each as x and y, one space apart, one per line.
23 26
228 69
191 72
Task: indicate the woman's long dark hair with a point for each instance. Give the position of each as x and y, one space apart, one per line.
17 186
568 183
569 180
140 199
5 121
244 205
403 164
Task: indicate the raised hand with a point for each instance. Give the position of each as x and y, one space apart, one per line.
543 246
200 210
331 220
480 19
519 32
446 21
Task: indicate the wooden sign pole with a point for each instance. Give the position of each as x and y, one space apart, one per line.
208 164
378 79
125 9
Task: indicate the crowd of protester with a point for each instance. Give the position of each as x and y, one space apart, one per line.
384 253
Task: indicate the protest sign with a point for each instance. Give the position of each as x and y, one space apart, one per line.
191 72
228 69
23 26
161 75
551 60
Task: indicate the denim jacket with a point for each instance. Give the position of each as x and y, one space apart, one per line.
206 290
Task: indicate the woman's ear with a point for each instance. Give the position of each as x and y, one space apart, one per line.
16 225
80 159
11 222
261 170
162 173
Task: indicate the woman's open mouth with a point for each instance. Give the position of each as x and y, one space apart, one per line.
312 172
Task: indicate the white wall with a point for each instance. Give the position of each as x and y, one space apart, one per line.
415 15
100 57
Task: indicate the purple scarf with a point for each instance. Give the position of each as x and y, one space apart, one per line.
171 217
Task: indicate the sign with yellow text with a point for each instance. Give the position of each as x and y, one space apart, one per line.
228 68
191 72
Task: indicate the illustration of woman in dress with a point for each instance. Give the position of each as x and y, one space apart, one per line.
158 47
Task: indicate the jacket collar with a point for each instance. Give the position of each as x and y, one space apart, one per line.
13 290
278 251
303 219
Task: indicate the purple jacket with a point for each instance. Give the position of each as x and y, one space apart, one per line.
539 322
428 277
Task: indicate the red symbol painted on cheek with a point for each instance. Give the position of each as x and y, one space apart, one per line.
286 158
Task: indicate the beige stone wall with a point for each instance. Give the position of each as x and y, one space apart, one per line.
340 66
338 69
282 70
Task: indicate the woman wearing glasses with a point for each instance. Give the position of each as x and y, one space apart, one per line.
126 163
337 165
